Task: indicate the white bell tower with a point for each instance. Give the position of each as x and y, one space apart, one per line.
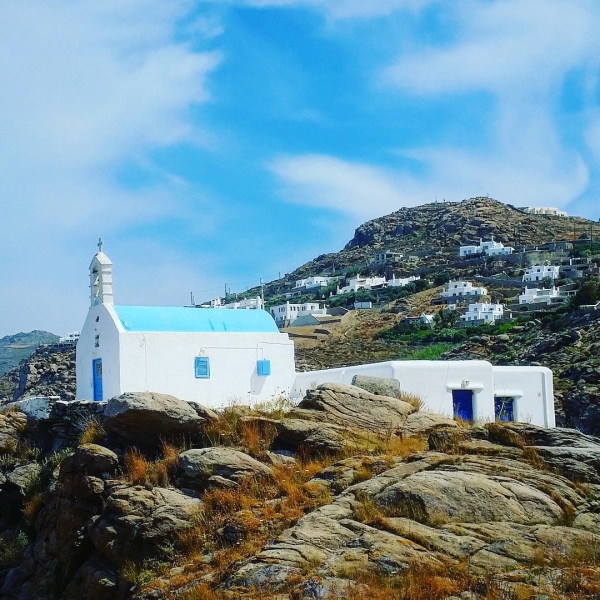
101 281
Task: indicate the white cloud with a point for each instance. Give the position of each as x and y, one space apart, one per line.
503 44
87 87
364 191
359 190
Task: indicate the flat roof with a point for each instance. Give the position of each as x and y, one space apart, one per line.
195 320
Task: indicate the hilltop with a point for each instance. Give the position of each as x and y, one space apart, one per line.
439 228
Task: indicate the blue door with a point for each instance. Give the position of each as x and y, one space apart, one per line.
462 404
504 408
97 377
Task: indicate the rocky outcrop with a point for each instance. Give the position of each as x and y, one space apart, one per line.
221 467
142 418
351 406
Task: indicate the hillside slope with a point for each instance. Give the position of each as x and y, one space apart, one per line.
14 348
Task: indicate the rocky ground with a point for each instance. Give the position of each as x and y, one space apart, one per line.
350 494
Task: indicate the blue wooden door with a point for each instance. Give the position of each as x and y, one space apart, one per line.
462 404
504 408
97 378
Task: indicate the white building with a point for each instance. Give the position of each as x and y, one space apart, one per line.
385 257
539 272
211 356
470 389
311 283
361 282
401 281
535 295
544 210
285 314
489 248
457 290
483 312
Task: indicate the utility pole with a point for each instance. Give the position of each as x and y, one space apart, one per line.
262 292
192 299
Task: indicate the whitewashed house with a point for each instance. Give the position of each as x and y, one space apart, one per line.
401 281
479 313
285 314
361 282
539 272
489 248
469 389
458 290
309 284
385 257
207 355
543 210
535 295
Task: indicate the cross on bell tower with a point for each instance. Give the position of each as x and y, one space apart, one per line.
101 281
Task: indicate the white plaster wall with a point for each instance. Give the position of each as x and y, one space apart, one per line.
107 328
433 381
164 362
533 390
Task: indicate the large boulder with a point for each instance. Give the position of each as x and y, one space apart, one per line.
200 468
351 406
143 418
138 523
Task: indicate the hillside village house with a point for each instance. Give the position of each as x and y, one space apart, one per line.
461 290
489 248
386 257
401 281
361 282
310 284
535 295
285 314
479 313
543 210
215 357
539 272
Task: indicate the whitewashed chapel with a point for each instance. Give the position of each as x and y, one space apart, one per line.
207 355
215 356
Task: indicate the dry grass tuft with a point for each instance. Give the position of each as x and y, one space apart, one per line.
93 433
141 471
413 399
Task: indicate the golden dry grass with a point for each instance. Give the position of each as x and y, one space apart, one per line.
93 433
139 470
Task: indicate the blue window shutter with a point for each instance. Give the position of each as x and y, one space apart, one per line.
263 367
202 367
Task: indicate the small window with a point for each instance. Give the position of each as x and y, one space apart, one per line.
202 367
263 367
97 341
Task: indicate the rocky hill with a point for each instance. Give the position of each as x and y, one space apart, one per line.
146 496
15 348
440 228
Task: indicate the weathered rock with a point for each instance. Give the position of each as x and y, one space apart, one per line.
12 424
313 438
142 418
137 522
351 406
422 422
200 468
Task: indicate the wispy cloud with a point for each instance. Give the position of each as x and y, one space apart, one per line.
87 88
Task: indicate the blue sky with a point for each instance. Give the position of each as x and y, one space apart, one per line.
214 141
